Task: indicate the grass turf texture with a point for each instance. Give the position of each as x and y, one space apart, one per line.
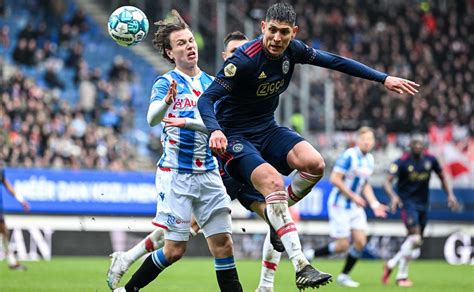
197 274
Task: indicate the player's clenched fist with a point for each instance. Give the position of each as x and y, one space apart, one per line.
218 142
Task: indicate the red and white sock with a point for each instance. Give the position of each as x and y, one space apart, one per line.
151 243
280 219
301 185
270 260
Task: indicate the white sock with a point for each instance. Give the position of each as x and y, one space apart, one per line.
151 243
270 260
280 219
9 256
11 259
403 268
301 184
412 242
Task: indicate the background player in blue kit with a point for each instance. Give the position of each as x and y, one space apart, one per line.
412 172
350 194
238 110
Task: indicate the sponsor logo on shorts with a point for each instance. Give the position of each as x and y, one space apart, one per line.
179 221
171 220
237 147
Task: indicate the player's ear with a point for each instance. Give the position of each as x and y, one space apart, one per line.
263 26
295 30
169 53
223 55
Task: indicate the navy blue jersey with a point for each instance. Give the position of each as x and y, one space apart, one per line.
413 177
246 90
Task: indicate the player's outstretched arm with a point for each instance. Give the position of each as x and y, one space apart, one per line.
400 85
186 123
357 69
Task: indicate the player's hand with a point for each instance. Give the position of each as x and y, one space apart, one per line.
359 201
380 211
218 142
453 203
175 122
171 94
400 85
395 203
26 206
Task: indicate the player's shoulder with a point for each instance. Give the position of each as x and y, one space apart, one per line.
206 77
251 49
429 155
163 78
297 44
405 156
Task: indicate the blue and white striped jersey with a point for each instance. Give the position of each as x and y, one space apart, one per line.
184 150
357 168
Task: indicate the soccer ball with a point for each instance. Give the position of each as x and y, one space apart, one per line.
128 26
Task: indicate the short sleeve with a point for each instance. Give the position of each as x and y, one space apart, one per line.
159 89
343 163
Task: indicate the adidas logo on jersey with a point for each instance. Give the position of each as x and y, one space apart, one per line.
262 75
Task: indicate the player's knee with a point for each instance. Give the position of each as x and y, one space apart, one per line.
275 183
222 245
416 240
342 245
360 244
176 253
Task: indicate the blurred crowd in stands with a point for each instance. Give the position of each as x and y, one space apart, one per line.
430 42
40 128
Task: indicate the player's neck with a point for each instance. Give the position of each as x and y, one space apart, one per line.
191 72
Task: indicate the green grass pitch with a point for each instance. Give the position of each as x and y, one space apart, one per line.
197 275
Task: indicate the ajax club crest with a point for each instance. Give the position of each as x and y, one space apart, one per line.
285 67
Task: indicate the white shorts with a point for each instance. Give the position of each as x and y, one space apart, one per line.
181 194
342 221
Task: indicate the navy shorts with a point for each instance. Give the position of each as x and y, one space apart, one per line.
244 154
412 217
241 191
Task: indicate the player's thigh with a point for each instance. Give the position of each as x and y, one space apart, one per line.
358 219
241 158
339 222
212 204
410 217
276 147
305 157
174 205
